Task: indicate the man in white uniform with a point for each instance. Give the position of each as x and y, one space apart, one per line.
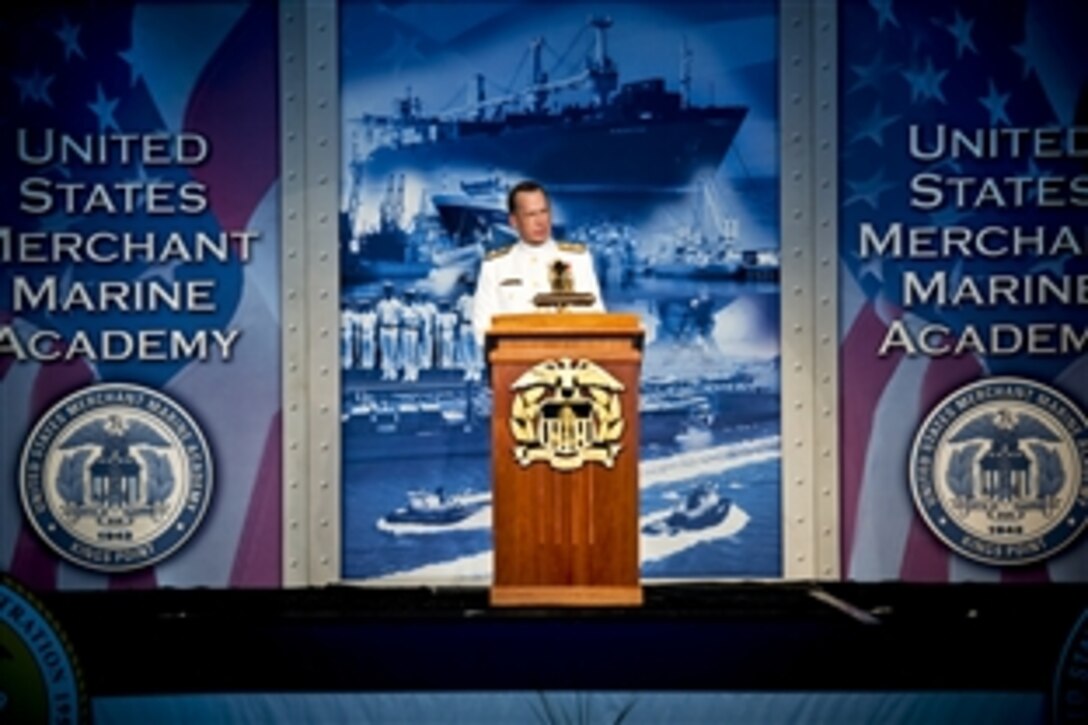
512 276
389 310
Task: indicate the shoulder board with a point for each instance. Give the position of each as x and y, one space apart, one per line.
496 253
575 247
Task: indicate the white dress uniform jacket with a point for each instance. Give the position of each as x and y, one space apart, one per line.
512 276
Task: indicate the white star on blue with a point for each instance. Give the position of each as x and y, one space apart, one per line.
869 190
873 127
926 83
34 88
869 75
1027 55
69 36
961 31
994 103
103 109
884 13
134 67
872 267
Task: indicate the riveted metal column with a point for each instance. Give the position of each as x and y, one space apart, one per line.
797 107
295 389
826 326
323 286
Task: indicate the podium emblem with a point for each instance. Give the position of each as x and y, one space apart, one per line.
567 413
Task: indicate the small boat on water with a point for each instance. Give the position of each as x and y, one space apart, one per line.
433 507
702 508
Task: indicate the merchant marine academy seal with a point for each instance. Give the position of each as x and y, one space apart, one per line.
999 471
116 477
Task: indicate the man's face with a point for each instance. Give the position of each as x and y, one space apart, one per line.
533 217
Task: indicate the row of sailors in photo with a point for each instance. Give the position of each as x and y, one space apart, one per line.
402 337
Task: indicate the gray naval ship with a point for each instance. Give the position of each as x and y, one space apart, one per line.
638 135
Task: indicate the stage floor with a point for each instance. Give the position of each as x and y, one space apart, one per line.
740 637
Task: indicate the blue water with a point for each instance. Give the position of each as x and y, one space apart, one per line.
372 489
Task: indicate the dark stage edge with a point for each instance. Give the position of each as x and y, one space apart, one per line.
715 637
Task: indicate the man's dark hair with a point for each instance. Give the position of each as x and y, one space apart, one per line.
522 187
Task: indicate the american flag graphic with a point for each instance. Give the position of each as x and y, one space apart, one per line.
143 68
965 65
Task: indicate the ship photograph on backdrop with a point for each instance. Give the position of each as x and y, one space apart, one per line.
654 129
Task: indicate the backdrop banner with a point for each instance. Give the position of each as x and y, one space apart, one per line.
963 291
139 295
654 126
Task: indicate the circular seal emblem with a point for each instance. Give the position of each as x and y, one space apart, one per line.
116 477
999 471
40 679
1071 677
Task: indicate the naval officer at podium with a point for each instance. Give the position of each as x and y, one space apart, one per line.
510 277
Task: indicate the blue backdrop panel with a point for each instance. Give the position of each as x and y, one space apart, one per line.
133 131
964 180
654 126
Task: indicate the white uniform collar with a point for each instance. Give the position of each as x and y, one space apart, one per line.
545 248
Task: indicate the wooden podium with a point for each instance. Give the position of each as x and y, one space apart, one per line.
565 450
